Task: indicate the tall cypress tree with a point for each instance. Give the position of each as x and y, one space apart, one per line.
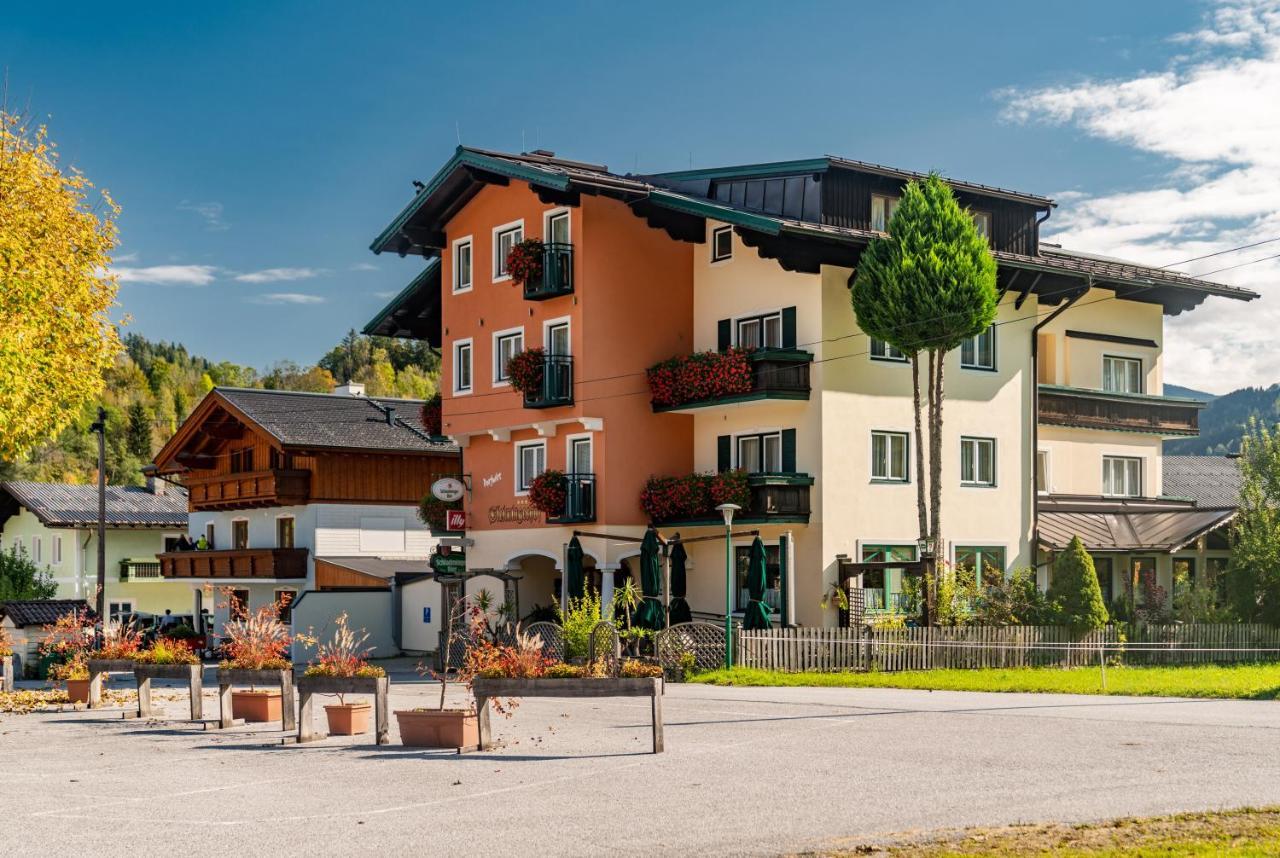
1074 592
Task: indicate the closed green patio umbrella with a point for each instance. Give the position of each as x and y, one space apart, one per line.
576 581
679 612
649 615
757 615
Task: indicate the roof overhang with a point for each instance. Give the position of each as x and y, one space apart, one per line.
1105 526
415 312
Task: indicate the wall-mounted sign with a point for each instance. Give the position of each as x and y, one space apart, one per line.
455 519
454 563
491 480
426 614
448 489
518 513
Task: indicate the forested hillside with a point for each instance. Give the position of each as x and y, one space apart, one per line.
155 385
1225 419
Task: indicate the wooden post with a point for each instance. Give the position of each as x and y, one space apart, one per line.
288 714
196 688
482 723
144 696
6 681
95 688
380 714
225 719
657 723
306 732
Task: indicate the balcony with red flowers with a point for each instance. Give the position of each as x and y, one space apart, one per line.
730 377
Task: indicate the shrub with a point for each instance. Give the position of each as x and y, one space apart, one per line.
167 651
120 641
526 369
702 375
524 261
20 578
76 668
1012 601
69 637
257 642
1074 592
633 668
431 416
582 616
523 659
560 670
431 511
548 493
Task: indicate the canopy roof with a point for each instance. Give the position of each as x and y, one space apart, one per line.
1106 525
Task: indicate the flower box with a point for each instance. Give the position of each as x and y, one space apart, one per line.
376 685
484 688
191 674
281 679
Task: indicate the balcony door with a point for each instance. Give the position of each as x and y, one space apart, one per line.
580 456
239 534
558 339
558 228
581 500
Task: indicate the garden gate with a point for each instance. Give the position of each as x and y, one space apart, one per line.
705 641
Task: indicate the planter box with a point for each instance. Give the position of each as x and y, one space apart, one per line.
79 690
191 674
650 687
439 728
256 707
282 679
99 666
348 719
375 685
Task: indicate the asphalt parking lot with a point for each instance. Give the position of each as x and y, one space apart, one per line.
746 771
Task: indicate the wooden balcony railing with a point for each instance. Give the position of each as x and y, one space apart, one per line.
1130 412
248 563
276 487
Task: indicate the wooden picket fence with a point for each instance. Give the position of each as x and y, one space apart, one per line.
971 647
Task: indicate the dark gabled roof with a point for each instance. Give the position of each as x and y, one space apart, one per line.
1211 482
319 420
62 505
415 312
40 612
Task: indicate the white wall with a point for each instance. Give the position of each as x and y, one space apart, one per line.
417 634
316 613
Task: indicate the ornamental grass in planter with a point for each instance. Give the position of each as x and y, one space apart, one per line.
257 644
68 641
344 656
120 643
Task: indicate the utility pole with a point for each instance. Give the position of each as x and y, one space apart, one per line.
101 428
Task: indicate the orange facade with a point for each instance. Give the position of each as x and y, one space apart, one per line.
632 305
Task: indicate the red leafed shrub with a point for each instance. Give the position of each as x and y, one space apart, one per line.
693 495
547 493
431 416
702 375
525 369
524 261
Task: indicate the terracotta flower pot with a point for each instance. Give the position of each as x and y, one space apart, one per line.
256 707
78 690
348 719
438 728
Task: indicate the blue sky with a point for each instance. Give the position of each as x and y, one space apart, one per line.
257 148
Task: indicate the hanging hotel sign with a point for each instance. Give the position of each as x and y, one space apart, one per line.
517 513
448 489
448 562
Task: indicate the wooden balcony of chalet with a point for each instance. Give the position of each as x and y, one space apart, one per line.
274 487
246 563
1167 416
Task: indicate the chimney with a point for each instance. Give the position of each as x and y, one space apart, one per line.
156 486
351 388
391 417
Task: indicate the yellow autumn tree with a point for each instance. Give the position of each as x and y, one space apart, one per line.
56 338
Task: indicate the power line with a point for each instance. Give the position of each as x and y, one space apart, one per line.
1241 265
1220 253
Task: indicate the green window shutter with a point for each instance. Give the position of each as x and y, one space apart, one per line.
723 334
789 451
724 451
788 327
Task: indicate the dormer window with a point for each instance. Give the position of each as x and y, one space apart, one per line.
722 244
882 208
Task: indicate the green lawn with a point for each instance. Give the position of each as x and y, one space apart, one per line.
1247 682
1236 832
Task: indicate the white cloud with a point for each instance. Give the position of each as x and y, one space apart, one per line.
125 257
1214 114
278 275
286 298
168 275
210 212
364 266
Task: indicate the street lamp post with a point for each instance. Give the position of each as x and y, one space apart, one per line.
727 510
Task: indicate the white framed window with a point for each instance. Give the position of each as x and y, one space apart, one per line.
506 345
556 338
881 350
462 366
889 459
760 453
759 332
977 461
116 610
982 223
556 227
462 264
505 237
1122 476
1042 472
1121 374
531 460
721 243
37 549
979 352
57 550
578 454
882 208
